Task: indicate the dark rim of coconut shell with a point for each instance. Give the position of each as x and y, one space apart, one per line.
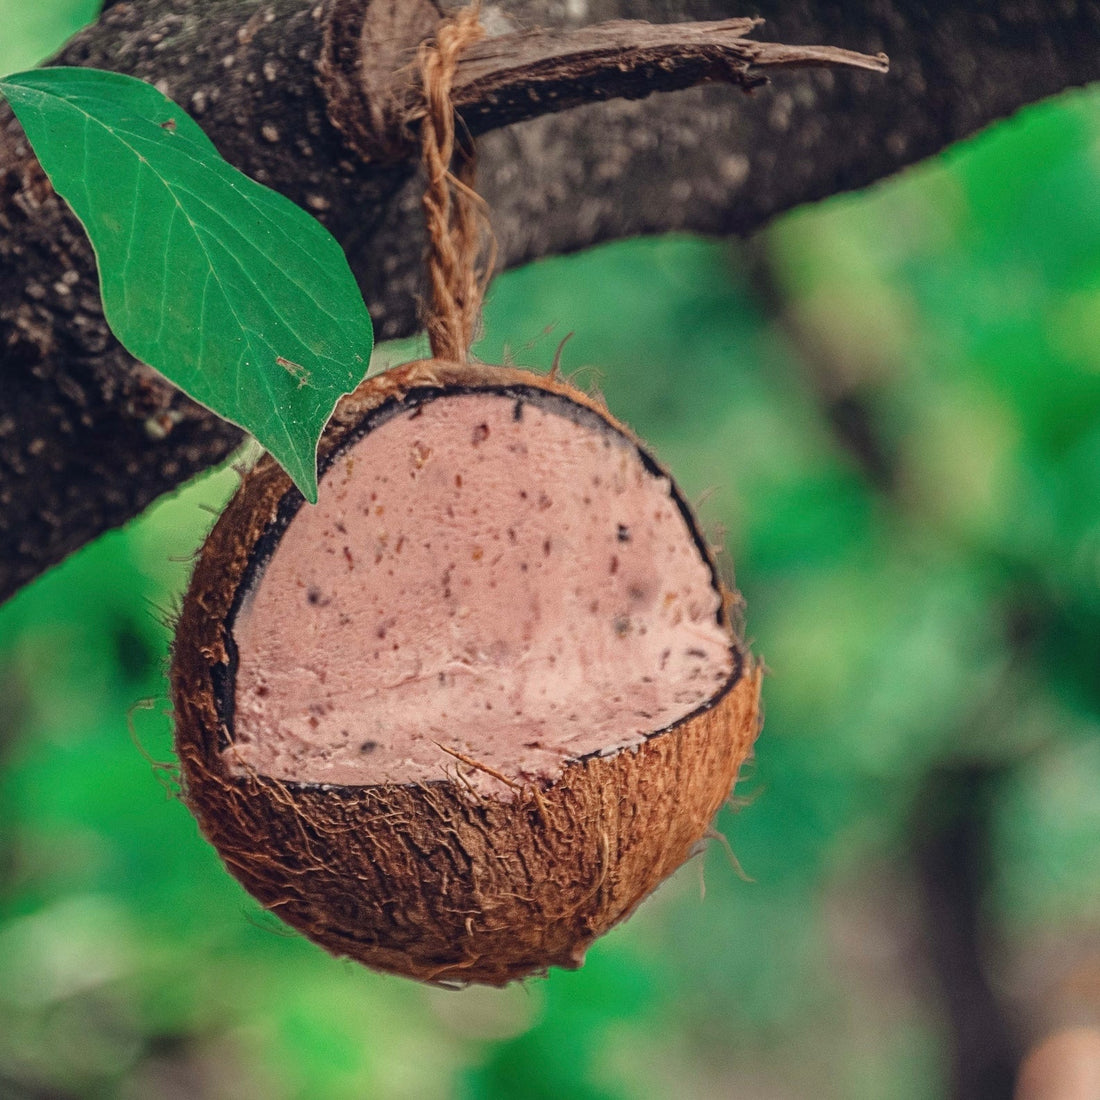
224 676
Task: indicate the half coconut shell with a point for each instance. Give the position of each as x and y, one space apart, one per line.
462 716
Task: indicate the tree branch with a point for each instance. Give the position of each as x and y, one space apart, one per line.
88 438
514 77
951 842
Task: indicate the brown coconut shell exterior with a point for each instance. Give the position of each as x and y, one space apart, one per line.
433 881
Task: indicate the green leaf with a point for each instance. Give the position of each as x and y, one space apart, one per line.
227 288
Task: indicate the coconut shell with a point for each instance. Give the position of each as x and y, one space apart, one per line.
434 880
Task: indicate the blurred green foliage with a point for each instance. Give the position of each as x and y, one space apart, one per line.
889 405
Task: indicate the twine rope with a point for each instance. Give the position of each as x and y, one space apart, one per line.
461 248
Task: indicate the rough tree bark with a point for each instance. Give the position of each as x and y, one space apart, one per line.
88 437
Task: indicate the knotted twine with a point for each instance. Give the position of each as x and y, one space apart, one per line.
461 248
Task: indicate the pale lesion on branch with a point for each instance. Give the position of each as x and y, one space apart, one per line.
375 98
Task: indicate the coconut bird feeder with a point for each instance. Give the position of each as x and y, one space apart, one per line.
460 717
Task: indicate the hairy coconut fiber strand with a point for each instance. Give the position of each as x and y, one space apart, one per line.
440 880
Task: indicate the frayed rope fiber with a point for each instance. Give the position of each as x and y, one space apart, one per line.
461 248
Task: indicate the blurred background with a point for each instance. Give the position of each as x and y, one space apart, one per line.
888 405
